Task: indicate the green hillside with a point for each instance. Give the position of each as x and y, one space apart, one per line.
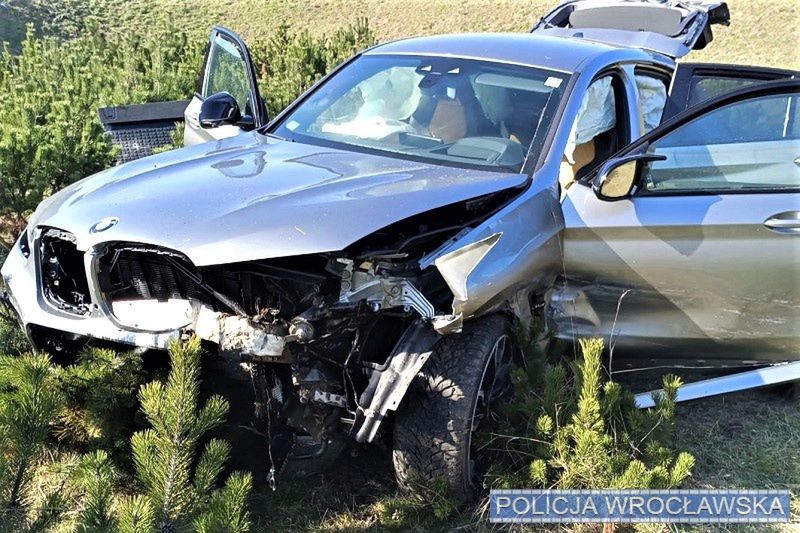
764 32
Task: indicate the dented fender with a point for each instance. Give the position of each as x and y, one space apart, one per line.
516 250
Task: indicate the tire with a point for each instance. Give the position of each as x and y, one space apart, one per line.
445 405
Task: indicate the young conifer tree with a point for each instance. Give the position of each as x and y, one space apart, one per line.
29 400
178 487
584 430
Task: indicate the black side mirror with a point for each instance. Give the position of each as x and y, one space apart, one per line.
618 177
220 109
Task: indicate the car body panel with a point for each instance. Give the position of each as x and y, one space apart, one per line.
554 53
692 277
256 197
700 278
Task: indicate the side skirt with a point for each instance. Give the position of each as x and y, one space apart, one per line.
751 379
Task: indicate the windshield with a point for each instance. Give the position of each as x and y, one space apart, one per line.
452 111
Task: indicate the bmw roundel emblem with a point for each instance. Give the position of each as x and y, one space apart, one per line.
105 224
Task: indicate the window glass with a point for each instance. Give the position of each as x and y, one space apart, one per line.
227 71
750 144
449 110
706 88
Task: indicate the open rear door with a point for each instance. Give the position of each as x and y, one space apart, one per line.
668 27
228 68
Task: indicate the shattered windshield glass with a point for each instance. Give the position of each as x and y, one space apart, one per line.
449 110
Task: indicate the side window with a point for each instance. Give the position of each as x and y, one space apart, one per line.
704 88
651 98
751 144
600 129
226 71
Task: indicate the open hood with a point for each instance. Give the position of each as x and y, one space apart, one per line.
254 197
670 27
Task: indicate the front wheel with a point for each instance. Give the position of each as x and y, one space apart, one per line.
448 401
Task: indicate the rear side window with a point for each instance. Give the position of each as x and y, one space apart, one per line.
753 120
705 88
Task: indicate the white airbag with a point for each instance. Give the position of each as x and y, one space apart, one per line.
652 96
596 115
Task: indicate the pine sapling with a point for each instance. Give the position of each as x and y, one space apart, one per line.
177 489
29 401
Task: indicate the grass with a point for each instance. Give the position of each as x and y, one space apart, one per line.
747 440
762 32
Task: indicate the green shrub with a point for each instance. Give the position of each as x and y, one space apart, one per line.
29 400
12 338
50 132
570 428
100 402
178 487
290 62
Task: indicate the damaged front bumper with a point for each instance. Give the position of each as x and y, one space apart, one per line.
231 333
24 294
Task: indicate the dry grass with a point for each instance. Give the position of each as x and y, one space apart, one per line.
763 32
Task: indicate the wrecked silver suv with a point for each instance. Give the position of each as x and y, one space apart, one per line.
364 255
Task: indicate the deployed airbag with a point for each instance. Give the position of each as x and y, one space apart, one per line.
596 115
652 97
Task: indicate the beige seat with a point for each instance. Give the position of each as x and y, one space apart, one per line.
449 121
583 155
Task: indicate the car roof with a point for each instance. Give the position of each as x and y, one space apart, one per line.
557 53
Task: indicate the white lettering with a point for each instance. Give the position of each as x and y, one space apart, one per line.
743 505
616 505
655 505
589 505
516 507
705 506
776 505
501 502
723 505
563 510
670 501
638 503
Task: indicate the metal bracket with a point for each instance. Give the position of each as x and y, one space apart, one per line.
387 387
385 293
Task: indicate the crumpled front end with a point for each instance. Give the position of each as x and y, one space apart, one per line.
331 340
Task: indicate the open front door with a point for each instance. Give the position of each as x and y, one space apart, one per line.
669 27
692 245
227 68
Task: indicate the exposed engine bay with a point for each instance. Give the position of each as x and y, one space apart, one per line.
330 341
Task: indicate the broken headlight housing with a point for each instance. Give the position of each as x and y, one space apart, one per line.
24 244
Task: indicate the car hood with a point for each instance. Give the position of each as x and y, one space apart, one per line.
255 197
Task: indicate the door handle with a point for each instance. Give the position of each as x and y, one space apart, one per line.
787 222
